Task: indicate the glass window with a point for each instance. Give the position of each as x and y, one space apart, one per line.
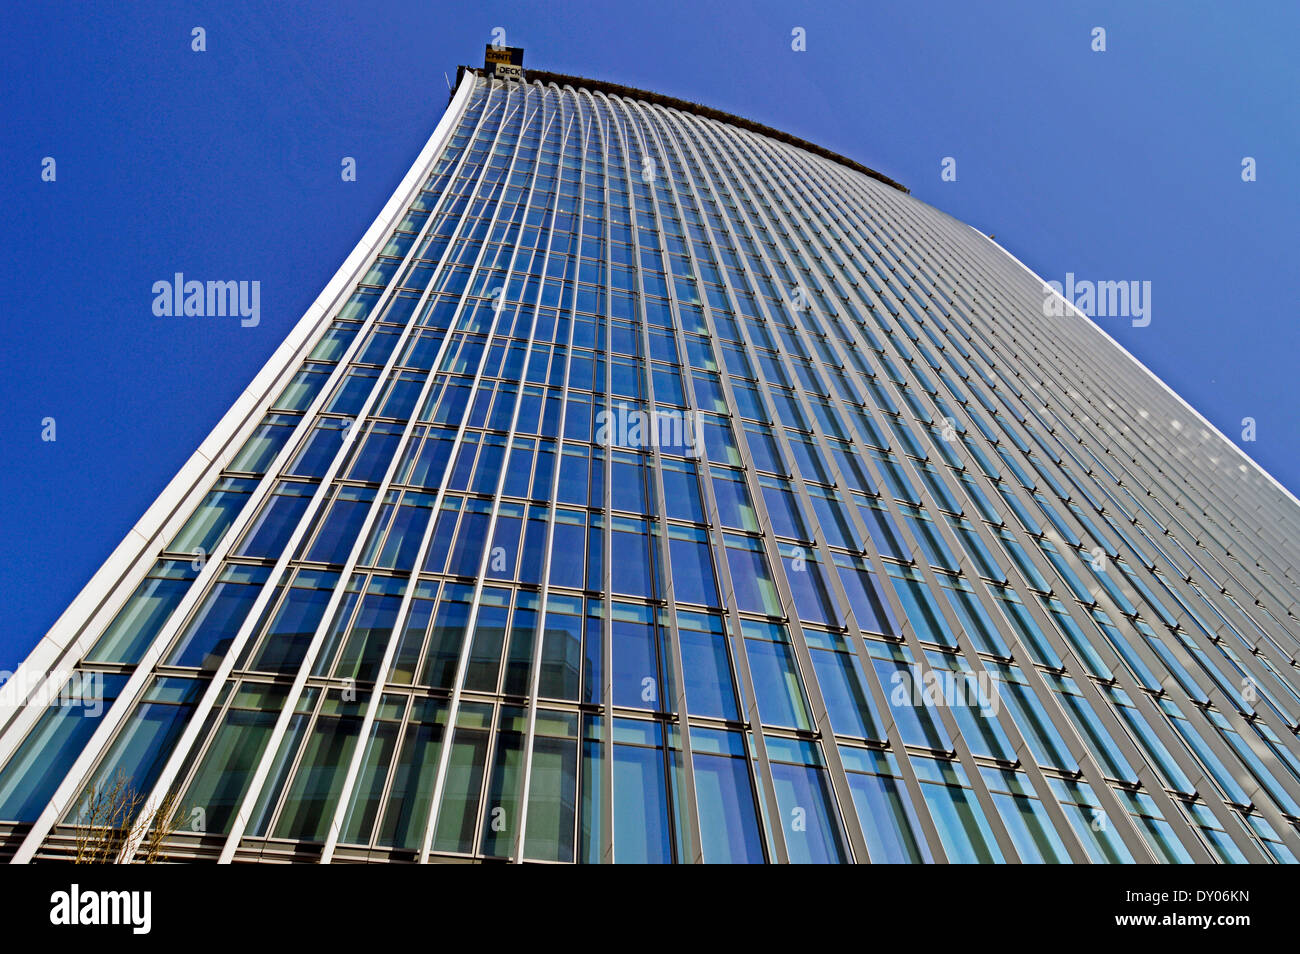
143 744
706 664
407 810
834 522
210 632
552 790
964 832
776 675
371 630
636 660
1026 819
641 827
260 449
734 507
340 526
692 566
374 451
885 810
922 610
782 509
1088 821
725 799
284 644
312 795
808 818
272 527
632 558
870 612
303 387
321 447
843 685
812 596
367 792
397 534
37 767
213 517
682 490
754 588
145 613
221 780
917 721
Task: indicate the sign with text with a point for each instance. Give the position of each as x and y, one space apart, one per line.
504 62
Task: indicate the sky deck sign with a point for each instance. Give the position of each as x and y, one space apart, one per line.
504 62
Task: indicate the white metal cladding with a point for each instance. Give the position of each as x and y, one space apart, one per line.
909 472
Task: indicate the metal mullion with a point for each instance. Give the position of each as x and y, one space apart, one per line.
1046 697
385 791
976 316
258 779
878 694
96 746
962 750
812 689
217 713
1178 572
274 807
1033 771
849 822
1157 665
830 746
693 840
1223 705
995 279
1143 447
1174 527
1207 790
1160 479
1104 792
535 659
430 827
1038 615
757 740
1207 483
462 664
1160 667
607 846
489 765
1229 712
390 649
454 706
1041 691
994 818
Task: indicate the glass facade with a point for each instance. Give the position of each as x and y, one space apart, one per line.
660 490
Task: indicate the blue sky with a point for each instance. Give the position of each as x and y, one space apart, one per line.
1122 165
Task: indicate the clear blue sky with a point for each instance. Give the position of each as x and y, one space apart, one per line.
225 164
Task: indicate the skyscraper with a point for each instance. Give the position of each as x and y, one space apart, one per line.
650 485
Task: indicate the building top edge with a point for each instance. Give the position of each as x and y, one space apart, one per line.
629 92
